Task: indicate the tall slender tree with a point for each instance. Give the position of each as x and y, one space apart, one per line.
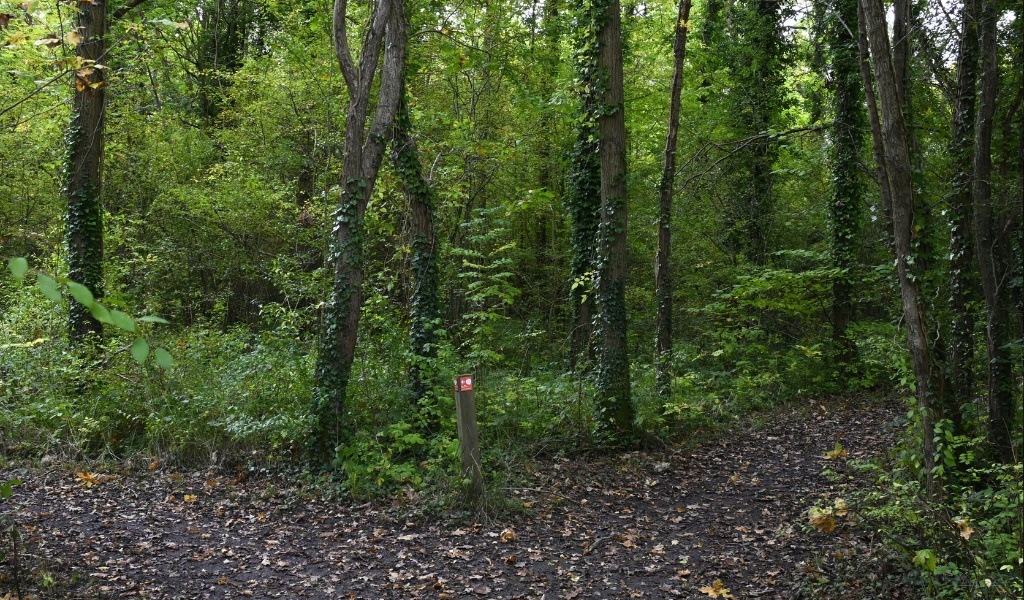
364 152
582 199
992 244
614 400
83 169
662 267
962 270
425 306
758 56
877 146
899 171
844 205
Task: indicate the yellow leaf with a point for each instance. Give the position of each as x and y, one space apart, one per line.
822 520
837 453
508 535
716 590
190 498
841 507
965 529
88 479
73 38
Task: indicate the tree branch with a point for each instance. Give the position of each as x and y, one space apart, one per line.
341 49
125 9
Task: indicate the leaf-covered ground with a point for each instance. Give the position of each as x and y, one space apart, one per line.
728 518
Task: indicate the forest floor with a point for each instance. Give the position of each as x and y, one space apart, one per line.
666 524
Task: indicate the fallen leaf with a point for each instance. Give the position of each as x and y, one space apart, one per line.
191 498
508 535
716 590
822 520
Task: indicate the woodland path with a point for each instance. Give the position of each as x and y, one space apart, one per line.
634 525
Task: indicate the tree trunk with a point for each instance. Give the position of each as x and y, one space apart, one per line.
363 154
881 176
962 273
993 255
83 171
662 268
614 402
897 159
425 312
844 207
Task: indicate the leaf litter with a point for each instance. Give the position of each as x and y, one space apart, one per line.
725 519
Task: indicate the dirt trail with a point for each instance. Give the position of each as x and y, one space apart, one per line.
626 526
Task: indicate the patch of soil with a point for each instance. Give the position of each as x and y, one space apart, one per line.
633 525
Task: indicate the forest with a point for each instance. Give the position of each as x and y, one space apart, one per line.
255 242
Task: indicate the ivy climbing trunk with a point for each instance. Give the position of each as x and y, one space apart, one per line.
962 273
844 206
425 310
662 268
993 245
614 402
881 177
583 193
898 168
83 170
364 152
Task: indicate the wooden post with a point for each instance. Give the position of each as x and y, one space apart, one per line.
469 447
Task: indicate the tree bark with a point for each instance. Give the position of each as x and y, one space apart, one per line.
962 272
993 256
897 159
881 176
613 389
662 268
425 309
364 152
844 207
83 170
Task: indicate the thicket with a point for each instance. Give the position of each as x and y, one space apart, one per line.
225 139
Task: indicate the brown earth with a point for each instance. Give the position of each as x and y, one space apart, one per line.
633 525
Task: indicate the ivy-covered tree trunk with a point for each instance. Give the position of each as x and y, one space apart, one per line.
844 205
83 170
992 245
364 152
582 199
962 272
614 402
758 80
898 168
881 177
425 309
662 268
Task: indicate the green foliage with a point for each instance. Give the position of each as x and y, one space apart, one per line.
967 544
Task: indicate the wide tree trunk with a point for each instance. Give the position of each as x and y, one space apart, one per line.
962 271
897 159
662 268
425 310
614 402
83 170
364 152
844 205
993 251
877 146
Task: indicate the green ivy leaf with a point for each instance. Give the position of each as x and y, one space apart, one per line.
152 319
48 287
81 293
140 350
163 358
122 321
18 267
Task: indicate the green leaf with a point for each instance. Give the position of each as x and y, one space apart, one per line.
163 358
6 491
100 313
122 320
140 350
48 287
152 319
81 293
925 559
18 267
